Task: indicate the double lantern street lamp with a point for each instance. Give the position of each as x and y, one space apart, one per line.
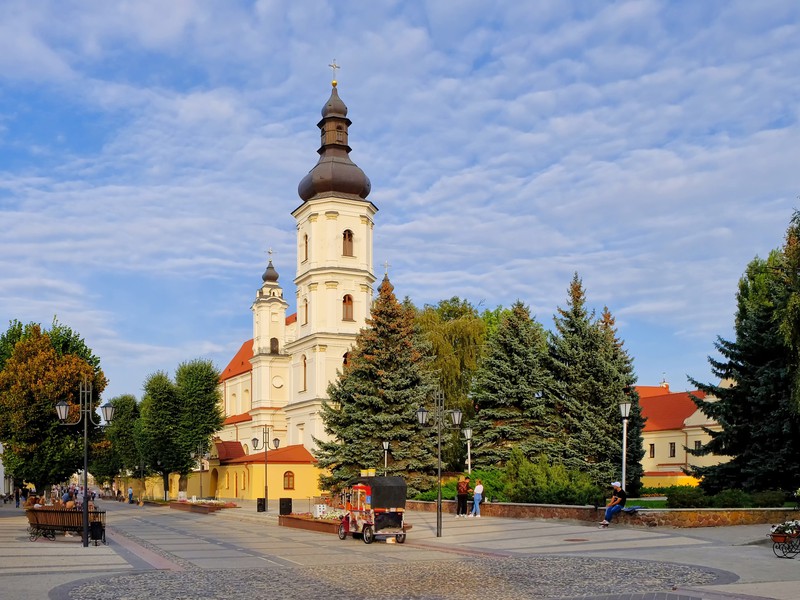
201 455
624 411
86 414
439 416
468 436
265 441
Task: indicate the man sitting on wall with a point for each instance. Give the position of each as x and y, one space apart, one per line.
617 502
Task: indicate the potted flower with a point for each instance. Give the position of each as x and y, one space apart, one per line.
782 532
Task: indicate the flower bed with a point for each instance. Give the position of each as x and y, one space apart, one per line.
204 507
309 523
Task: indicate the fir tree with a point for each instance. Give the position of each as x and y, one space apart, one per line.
375 399
623 390
511 392
590 389
754 401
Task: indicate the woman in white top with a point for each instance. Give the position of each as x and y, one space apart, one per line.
476 500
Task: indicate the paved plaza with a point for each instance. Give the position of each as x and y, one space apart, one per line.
156 552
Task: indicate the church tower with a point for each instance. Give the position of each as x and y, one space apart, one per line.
334 272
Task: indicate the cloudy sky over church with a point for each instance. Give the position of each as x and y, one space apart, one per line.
150 153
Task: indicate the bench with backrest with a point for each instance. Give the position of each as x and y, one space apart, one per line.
46 522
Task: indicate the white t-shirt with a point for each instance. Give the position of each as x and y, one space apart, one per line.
479 489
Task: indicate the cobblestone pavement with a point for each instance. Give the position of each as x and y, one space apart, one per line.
496 578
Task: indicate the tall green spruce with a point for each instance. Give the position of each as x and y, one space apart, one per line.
755 406
375 399
593 379
623 390
512 392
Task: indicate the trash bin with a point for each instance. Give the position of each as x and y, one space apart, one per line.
261 505
97 532
286 506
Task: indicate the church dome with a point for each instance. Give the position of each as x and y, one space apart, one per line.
270 275
334 171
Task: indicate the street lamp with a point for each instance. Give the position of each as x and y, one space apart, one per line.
201 455
468 437
265 441
86 410
385 457
624 411
439 417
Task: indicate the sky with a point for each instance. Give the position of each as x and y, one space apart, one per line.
150 153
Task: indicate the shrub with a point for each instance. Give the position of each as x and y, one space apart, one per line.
541 482
686 496
768 499
731 499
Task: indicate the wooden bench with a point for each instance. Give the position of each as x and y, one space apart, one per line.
45 522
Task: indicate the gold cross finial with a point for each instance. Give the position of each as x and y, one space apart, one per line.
386 266
269 252
333 67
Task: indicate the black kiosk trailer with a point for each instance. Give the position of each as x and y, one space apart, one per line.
375 508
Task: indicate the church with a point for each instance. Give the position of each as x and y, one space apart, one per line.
273 388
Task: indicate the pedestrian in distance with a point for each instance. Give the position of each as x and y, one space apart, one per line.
477 498
462 493
618 498
130 495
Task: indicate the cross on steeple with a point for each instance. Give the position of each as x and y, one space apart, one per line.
333 67
386 266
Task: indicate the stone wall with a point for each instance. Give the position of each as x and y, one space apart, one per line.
683 517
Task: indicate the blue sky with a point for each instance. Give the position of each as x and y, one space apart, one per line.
150 153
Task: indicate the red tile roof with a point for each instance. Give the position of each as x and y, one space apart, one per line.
237 419
645 391
240 363
292 318
296 454
228 450
668 411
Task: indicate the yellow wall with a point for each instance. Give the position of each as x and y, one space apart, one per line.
246 482
668 480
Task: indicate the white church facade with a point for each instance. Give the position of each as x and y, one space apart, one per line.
279 378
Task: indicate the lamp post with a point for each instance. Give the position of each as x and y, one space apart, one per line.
624 411
439 417
86 410
201 455
385 457
265 442
468 437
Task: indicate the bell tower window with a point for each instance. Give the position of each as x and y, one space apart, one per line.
347 308
305 373
305 247
347 243
305 311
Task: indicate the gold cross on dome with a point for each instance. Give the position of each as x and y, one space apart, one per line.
386 266
269 252
333 67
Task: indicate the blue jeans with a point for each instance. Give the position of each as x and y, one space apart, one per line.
476 505
612 510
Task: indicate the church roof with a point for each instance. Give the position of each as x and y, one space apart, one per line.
233 419
296 454
645 391
240 363
668 411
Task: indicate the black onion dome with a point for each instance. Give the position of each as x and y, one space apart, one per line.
270 274
334 171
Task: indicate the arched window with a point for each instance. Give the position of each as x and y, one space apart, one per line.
305 247
346 359
305 372
347 243
288 480
305 311
273 346
347 308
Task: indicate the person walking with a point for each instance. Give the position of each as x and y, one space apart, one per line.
462 492
130 495
477 498
618 498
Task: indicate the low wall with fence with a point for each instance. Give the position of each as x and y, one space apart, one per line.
654 517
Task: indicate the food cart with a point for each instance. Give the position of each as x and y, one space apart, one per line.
375 507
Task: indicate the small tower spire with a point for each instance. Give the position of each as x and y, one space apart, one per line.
333 67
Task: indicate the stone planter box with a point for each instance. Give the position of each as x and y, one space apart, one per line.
195 508
320 525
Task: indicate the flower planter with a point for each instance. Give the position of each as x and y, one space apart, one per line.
779 538
195 508
309 524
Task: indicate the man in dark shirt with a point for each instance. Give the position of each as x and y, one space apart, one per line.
617 502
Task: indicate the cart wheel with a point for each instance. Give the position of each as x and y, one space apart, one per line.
342 532
369 535
400 537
